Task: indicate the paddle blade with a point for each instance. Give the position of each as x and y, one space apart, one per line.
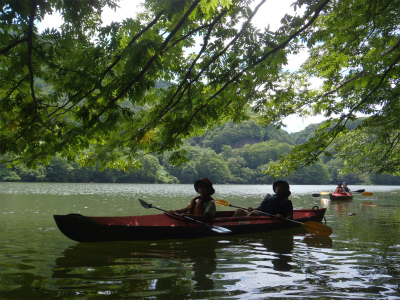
316 195
220 202
325 193
367 194
145 204
317 228
219 229
359 191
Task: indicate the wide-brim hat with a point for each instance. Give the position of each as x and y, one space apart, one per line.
204 182
285 184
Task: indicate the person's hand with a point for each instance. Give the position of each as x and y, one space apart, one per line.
172 212
278 216
250 209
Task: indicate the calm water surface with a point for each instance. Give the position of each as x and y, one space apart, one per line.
360 260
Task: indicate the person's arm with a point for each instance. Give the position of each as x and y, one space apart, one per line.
289 211
180 211
263 205
203 217
289 214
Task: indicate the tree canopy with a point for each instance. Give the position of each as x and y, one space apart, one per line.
95 70
354 47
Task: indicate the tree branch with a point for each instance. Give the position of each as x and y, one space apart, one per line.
133 40
32 15
276 49
147 66
173 102
6 49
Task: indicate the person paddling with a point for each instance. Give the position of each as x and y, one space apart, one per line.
278 204
201 207
339 189
345 188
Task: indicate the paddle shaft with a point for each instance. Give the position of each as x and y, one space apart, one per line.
213 228
176 214
267 214
313 227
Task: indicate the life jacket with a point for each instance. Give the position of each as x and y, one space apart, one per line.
197 208
339 191
275 205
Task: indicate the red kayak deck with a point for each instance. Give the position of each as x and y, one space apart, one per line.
221 219
165 226
341 196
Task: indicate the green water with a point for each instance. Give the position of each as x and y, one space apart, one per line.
360 260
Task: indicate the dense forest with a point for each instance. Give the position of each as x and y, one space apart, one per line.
232 153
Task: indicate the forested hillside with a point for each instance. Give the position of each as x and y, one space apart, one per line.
232 153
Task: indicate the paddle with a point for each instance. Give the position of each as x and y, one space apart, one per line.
363 192
369 203
313 227
217 229
322 193
367 194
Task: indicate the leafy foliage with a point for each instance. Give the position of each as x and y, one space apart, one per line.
355 47
104 107
93 69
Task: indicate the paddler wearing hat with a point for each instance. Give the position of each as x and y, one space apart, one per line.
203 206
277 204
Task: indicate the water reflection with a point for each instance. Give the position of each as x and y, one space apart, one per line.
164 266
281 247
341 207
318 241
142 265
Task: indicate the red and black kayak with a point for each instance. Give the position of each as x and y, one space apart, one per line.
166 226
341 196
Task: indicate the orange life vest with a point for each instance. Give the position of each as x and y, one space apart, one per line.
339 191
197 208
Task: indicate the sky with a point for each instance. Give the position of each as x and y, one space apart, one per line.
269 14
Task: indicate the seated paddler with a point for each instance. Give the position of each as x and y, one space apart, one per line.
278 204
339 189
203 206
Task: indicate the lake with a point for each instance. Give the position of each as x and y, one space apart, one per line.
360 260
